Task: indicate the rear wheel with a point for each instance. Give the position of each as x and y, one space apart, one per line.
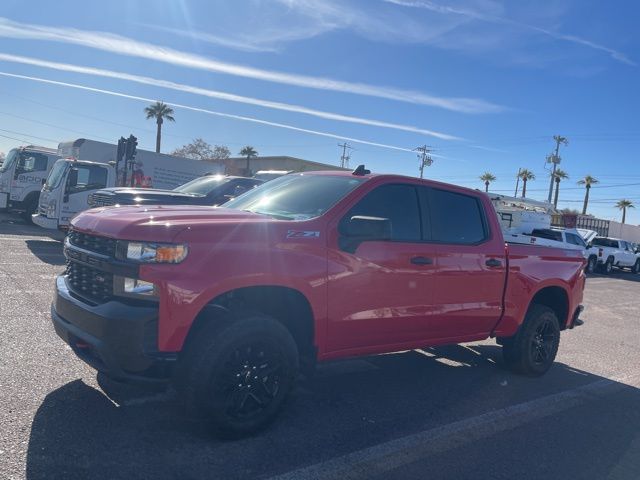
533 349
240 379
608 266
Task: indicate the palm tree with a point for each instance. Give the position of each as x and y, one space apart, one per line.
160 112
487 178
250 153
559 175
587 181
525 175
623 205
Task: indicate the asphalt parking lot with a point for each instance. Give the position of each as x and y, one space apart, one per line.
442 413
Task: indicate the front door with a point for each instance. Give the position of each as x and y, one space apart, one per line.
380 293
90 177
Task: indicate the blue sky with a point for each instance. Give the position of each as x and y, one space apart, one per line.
486 83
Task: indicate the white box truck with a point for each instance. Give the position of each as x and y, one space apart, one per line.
21 177
89 165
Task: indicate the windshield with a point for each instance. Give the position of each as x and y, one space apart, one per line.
55 175
10 160
296 197
202 185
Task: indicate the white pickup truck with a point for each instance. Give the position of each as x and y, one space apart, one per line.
606 253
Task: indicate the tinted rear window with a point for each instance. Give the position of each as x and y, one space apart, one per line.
456 218
605 242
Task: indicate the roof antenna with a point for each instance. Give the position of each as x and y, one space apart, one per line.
361 171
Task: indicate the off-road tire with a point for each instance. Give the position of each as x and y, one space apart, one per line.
533 349
250 363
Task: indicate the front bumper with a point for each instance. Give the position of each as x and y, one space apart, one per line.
44 222
116 338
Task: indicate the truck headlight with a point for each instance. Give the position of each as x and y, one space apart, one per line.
51 208
138 287
156 252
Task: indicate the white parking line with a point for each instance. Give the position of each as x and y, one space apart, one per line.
384 457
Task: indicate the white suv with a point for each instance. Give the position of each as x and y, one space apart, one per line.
607 253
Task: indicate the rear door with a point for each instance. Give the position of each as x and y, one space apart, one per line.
380 293
471 265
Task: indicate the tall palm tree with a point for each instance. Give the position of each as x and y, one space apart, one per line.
623 205
559 175
525 175
160 112
587 181
487 178
250 153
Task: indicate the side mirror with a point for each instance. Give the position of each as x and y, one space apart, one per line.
362 229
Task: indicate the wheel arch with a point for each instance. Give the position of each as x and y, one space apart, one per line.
287 305
557 299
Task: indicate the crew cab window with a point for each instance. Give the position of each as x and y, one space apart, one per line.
398 203
456 218
575 240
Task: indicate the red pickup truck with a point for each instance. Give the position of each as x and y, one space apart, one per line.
231 303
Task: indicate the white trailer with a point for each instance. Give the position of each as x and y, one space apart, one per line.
22 175
89 165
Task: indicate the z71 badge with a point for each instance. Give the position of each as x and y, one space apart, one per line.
303 234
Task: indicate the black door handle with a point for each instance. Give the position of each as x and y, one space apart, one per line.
422 261
493 262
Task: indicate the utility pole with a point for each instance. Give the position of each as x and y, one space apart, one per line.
517 181
555 160
425 158
344 159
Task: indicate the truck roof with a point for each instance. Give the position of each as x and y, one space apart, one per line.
39 148
391 176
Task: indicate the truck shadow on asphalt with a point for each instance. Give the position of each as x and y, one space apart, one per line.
47 251
125 432
617 275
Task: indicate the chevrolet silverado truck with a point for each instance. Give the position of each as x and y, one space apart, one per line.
230 303
606 253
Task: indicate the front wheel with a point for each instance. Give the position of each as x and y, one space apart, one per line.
636 267
592 263
533 349
240 379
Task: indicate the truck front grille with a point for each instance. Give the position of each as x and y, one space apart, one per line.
94 243
89 282
101 200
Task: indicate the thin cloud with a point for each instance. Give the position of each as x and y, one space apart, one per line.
224 41
125 46
204 110
221 95
445 9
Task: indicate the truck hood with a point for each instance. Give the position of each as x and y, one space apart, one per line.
157 223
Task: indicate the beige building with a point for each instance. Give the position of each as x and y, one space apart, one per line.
238 165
